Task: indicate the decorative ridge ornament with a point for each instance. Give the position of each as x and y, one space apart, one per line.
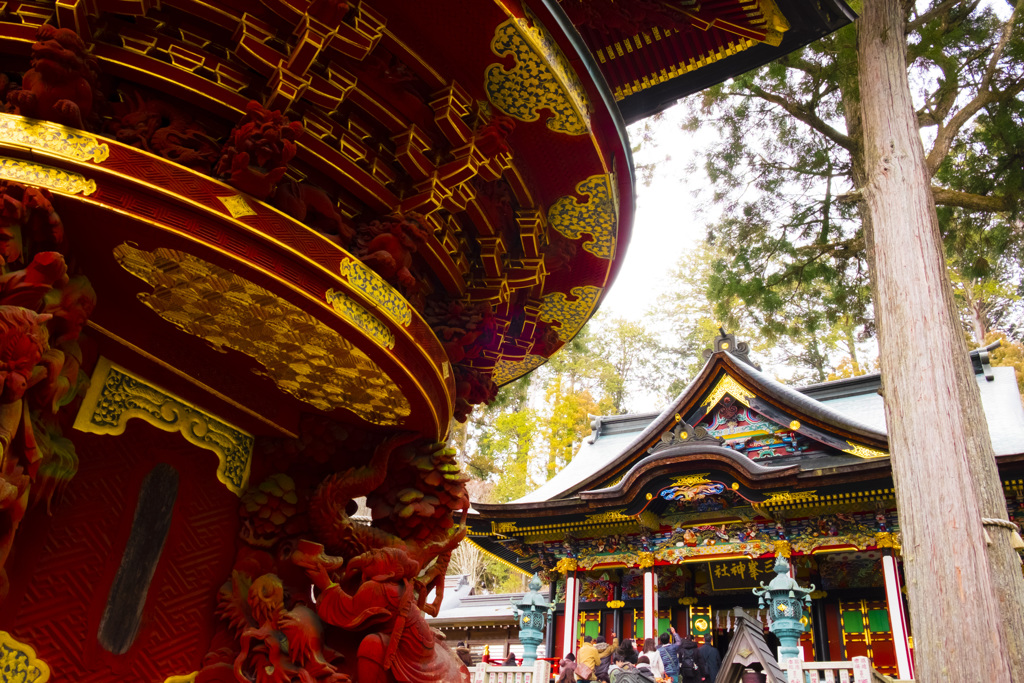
728 385
727 342
683 433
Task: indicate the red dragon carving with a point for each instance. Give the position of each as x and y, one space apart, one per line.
256 155
61 86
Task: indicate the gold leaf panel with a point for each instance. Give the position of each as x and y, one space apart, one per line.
301 354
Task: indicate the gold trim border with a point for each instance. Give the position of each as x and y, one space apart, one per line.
56 179
58 140
116 395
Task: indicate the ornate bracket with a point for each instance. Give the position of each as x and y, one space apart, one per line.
116 396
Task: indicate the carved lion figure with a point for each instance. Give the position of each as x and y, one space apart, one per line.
61 86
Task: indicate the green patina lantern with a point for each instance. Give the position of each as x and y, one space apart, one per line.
532 611
785 600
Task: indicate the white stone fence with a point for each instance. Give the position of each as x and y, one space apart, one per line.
540 672
858 670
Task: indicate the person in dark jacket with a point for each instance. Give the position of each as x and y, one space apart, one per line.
464 654
510 660
712 661
691 667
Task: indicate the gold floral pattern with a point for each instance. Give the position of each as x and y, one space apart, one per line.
18 662
862 451
507 370
595 217
570 315
237 206
361 318
116 396
301 354
541 78
51 178
373 287
54 138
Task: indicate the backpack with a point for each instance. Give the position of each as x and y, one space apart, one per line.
688 669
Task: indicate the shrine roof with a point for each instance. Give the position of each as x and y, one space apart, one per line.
461 607
653 54
617 443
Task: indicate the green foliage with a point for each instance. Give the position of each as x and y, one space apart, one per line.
787 170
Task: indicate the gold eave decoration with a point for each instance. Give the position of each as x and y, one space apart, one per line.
52 138
507 370
19 663
116 395
361 318
609 516
787 498
503 527
56 179
570 315
298 352
862 451
541 78
596 217
727 385
377 290
691 479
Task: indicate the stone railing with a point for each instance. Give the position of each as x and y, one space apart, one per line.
539 672
857 670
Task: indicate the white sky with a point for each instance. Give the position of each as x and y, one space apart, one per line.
665 225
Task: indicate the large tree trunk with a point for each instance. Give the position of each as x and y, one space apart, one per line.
965 597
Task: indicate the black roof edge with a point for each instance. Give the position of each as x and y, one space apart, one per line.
587 57
868 384
810 21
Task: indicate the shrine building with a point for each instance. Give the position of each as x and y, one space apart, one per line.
256 256
672 518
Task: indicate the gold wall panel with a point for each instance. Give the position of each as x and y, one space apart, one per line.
301 354
116 396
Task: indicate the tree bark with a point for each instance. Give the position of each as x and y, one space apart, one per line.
967 606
